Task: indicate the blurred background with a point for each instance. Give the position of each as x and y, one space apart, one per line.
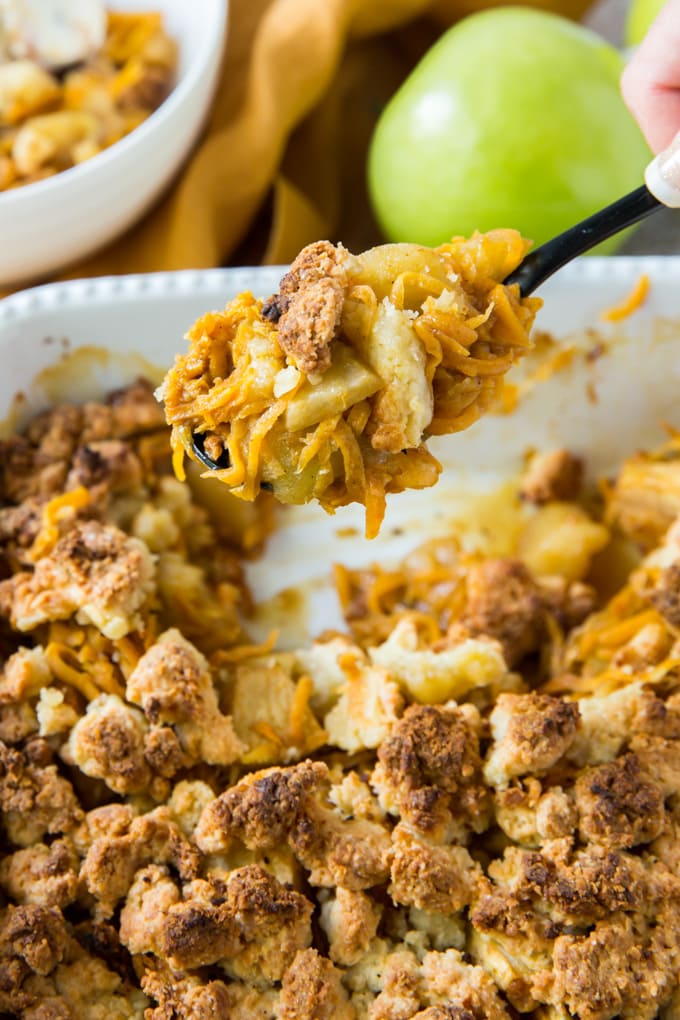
370 120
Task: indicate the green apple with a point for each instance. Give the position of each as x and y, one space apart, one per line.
641 14
513 119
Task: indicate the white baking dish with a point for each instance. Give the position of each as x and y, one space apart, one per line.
603 407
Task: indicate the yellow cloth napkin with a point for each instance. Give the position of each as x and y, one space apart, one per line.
283 157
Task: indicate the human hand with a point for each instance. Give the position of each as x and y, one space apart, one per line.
651 81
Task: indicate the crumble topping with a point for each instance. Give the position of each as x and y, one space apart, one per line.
466 808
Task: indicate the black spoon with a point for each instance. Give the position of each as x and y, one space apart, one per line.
223 461
661 188
551 256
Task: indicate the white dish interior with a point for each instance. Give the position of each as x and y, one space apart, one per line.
603 408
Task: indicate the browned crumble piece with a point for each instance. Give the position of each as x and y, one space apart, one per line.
248 922
320 260
399 987
261 809
19 527
619 805
505 602
312 990
23 675
278 804
308 307
34 800
531 733
108 743
43 875
144 913
107 820
444 1013
134 410
656 718
659 759
163 751
55 432
182 996
108 463
429 772
438 879
353 853
623 967
665 595
350 920
310 324
555 476
37 935
96 570
556 815
112 860
173 685
23 474
17 722
567 887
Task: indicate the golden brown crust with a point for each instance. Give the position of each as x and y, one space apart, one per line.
620 968
261 809
248 922
312 990
619 805
438 879
111 463
537 835
163 751
113 858
181 996
268 807
173 685
34 800
108 743
36 935
553 476
43 875
429 770
308 307
504 602
349 920
665 595
531 733
95 570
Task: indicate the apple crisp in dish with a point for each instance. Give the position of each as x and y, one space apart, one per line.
463 807
330 388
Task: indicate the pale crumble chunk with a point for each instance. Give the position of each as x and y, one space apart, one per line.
173 685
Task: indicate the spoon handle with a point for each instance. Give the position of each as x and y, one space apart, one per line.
551 256
661 188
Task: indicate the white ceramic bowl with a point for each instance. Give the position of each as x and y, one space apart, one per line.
49 224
